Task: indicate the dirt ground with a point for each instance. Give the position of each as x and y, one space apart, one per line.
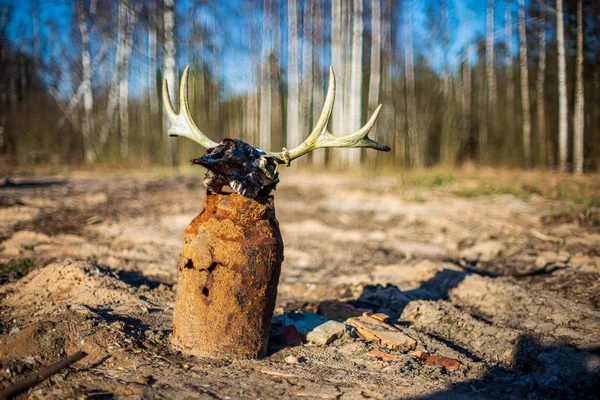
505 281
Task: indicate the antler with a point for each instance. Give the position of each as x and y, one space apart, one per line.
183 125
321 137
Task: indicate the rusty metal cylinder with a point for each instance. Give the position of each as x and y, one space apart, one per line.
228 277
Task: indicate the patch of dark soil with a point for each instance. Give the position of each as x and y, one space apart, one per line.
58 221
583 287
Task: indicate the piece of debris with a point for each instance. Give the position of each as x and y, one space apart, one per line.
379 316
374 330
423 355
449 363
304 322
34 378
339 310
326 333
383 356
287 335
294 360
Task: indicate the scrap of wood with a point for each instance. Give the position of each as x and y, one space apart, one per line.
383 356
373 329
36 377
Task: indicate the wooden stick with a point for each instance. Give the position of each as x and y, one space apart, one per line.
36 377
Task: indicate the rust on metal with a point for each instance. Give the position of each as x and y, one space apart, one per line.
228 277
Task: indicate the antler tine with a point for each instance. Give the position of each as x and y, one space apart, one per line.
321 137
182 124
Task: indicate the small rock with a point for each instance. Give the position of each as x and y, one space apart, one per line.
374 330
423 355
332 309
449 363
550 257
483 251
14 330
287 335
304 321
294 360
326 333
383 356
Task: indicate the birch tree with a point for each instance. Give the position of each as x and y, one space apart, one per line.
489 67
336 58
88 98
307 69
414 148
129 19
169 73
466 95
318 156
293 112
356 79
540 86
524 85
563 126
510 79
265 78
578 117
375 69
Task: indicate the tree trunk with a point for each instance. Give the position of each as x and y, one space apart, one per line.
319 155
563 126
524 86
307 73
170 75
543 151
466 100
265 78
510 82
87 126
414 148
490 71
293 103
578 118
375 57
356 85
375 69
129 17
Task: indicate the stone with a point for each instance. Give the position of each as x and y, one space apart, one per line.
449 363
294 360
423 355
372 329
326 333
551 257
338 310
483 251
304 322
287 335
383 356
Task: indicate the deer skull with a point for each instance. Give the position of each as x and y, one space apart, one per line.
249 170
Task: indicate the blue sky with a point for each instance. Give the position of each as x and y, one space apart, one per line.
467 22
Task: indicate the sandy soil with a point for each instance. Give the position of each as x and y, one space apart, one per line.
506 285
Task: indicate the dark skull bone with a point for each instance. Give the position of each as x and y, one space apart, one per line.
245 169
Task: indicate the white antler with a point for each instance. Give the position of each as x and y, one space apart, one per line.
321 137
182 124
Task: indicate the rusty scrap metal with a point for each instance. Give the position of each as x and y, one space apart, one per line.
228 276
